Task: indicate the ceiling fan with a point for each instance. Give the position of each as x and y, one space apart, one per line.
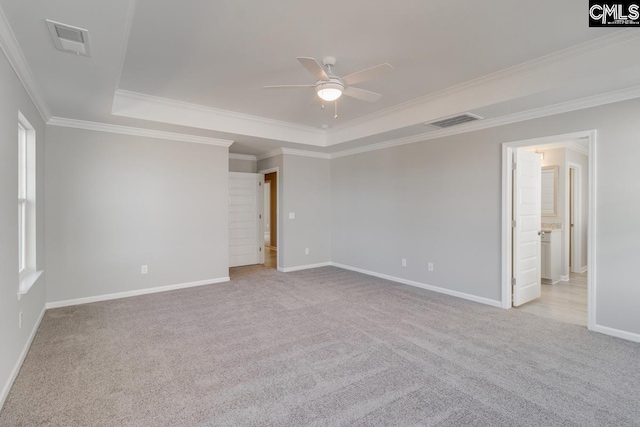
330 87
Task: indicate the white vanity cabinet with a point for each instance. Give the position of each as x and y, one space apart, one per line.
550 252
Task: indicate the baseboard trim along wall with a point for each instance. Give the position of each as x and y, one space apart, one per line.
616 333
449 292
78 301
18 365
303 267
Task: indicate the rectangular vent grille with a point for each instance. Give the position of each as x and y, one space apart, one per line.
68 38
69 34
454 121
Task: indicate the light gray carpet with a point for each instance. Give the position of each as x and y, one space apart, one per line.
318 347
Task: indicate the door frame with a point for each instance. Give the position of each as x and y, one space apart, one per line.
507 202
279 230
574 243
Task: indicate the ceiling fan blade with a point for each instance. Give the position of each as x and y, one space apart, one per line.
361 94
368 74
314 68
286 86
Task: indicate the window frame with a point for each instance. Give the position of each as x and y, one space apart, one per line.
27 237
22 198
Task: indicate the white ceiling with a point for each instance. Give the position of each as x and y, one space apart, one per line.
214 57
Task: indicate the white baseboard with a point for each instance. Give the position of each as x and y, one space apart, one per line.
616 333
303 267
564 278
584 269
16 369
457 294
77 301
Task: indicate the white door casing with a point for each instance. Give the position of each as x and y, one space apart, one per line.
526 233
246 200
508 148
574 216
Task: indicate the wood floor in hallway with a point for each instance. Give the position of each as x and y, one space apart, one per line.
270 257
564 301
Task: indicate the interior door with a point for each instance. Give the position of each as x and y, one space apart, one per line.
526 233
246 198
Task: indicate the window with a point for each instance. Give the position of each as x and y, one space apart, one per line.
27 270
22 197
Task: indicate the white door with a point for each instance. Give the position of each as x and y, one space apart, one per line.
246 197
526 233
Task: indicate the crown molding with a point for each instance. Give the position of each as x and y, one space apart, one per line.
149 107
564 107
305 153
128 130
293 152
11 49
236 156
269 154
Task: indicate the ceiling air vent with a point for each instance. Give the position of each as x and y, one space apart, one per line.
454 120
69 39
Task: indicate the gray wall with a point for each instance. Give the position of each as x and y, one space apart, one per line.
12 339
304 187
241 165
307 192
116 202
440 201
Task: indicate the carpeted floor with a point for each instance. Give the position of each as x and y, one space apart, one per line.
323 347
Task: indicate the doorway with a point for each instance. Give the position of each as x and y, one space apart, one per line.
557 245
270 216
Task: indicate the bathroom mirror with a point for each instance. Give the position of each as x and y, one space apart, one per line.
549 191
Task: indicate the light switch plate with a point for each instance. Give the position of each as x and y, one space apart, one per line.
292 215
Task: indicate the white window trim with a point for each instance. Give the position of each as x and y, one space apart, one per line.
28 273
22 197
27 279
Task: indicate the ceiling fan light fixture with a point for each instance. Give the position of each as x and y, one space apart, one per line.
329 91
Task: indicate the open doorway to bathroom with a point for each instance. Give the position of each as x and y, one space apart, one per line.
548 235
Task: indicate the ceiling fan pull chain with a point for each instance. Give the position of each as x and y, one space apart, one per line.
322 104
335 115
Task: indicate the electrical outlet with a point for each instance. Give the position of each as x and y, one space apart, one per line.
306 251
292 215
404 262
430 266
144 269
20 320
